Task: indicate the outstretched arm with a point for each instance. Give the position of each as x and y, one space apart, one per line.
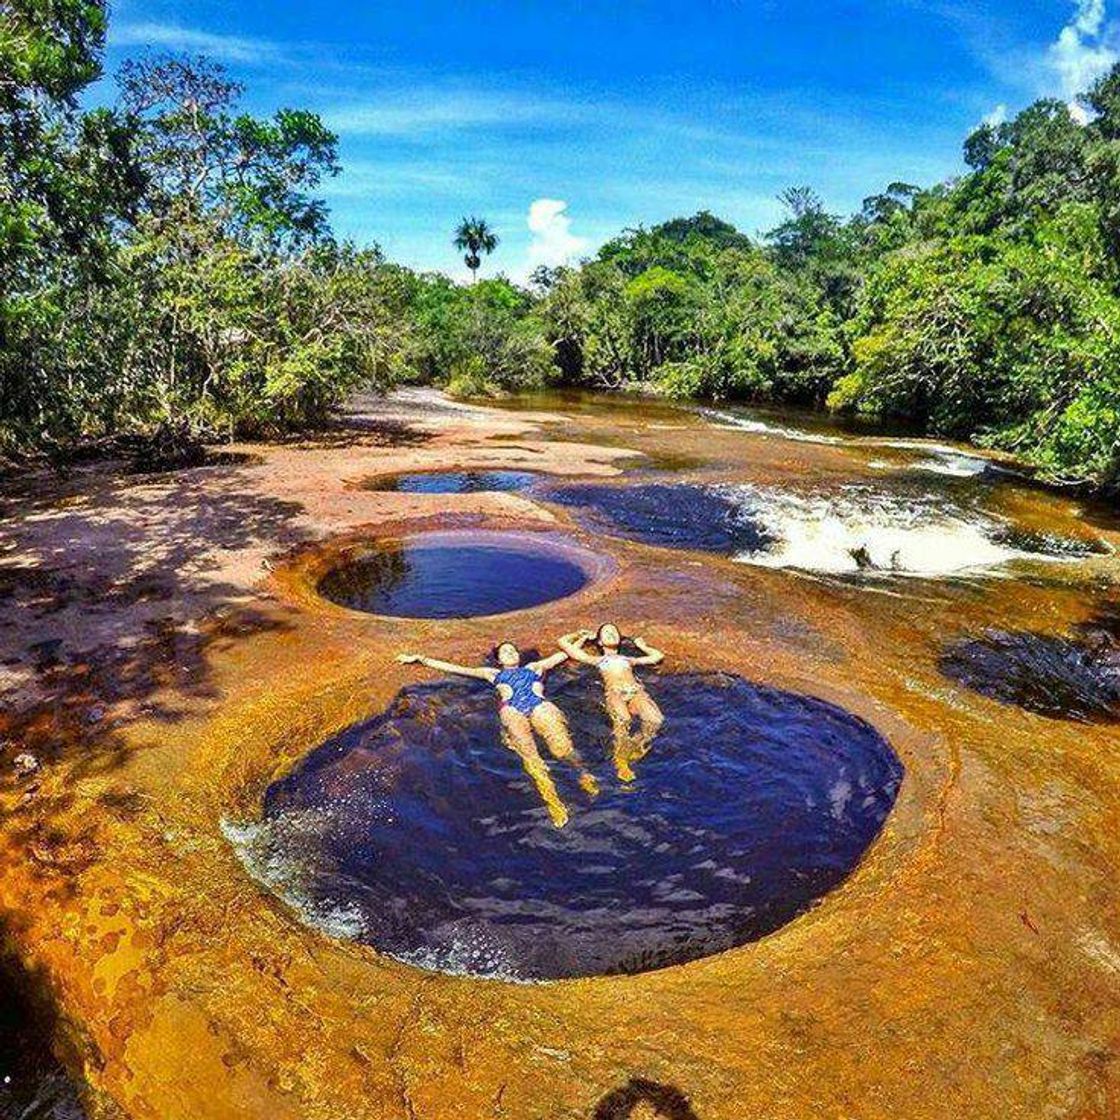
572 645
651 656
547 663
480 672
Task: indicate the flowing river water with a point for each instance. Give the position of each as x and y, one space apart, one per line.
892 701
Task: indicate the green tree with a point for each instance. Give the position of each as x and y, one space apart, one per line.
818 246
247 175
1013 343
479 340
67 178
473 237
227 275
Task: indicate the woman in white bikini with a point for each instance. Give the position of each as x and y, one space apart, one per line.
625 696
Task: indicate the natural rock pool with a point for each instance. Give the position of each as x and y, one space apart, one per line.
446 576
668 514
1074 676
417 832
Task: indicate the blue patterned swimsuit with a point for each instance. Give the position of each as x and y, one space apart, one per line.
520 681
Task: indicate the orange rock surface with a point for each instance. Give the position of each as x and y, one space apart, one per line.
970 967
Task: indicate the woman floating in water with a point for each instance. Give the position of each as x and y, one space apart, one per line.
626 697
523 711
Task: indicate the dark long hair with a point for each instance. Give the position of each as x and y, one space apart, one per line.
524 655
599 634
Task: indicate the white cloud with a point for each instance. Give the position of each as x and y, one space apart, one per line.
1083 51
225 48
1089 18
553 242
386 178
996 117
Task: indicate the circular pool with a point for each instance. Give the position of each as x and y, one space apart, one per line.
420 834
456 575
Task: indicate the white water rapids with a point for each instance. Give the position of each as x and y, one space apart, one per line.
864 529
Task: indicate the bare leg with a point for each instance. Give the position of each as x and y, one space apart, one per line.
619 712
549 722
517 734
651 719
632 748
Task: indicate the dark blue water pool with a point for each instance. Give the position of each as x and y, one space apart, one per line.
425 835
667 514
443 579
1074 676
453 482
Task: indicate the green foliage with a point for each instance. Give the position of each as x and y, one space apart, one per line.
999 318
693 308
473 236
250 177
162 266
227 343
166 267
66 179
703 227
480 340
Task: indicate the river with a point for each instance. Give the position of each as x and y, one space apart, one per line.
950 620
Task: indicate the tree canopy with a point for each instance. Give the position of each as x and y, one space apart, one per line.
168 272
474 237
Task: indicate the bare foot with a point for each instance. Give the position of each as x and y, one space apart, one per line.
589 784
557 812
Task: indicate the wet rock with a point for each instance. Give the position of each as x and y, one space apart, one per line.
862 557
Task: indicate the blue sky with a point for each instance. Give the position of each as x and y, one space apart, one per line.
563 122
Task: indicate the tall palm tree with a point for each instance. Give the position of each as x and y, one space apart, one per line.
475 237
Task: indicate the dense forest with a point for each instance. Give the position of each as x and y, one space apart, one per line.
167 275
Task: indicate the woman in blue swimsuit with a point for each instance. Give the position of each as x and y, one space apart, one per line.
523 710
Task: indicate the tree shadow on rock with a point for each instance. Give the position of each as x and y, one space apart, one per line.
114 597
356 430
33 1083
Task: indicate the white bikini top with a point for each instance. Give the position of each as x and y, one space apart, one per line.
607 658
